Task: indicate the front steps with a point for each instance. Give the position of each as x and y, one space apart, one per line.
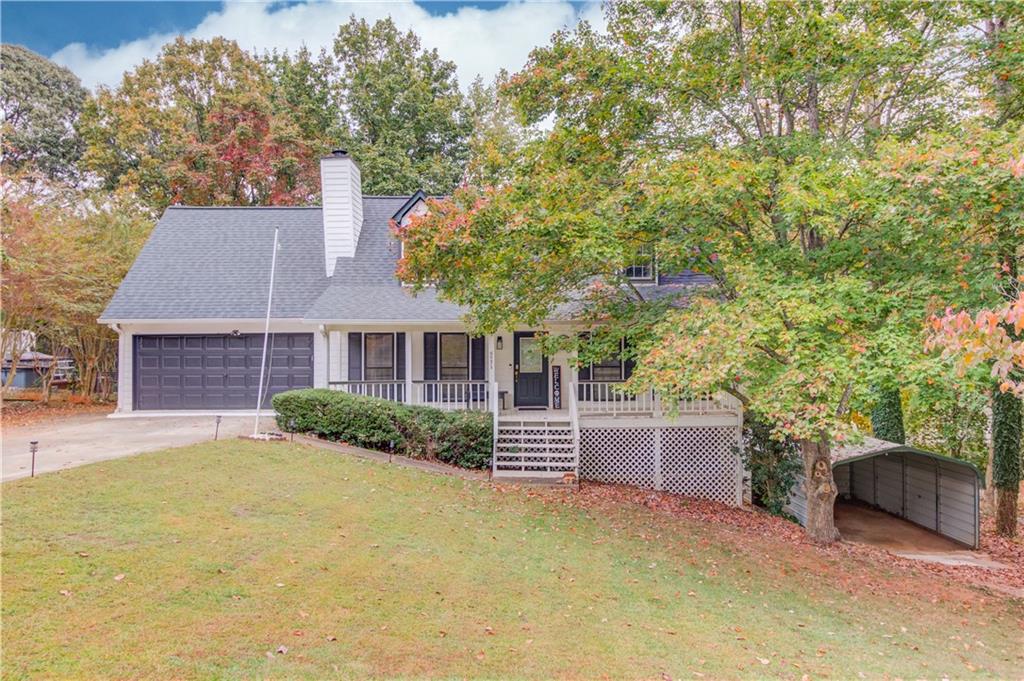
538 447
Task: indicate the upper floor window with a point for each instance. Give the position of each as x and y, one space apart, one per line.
642 268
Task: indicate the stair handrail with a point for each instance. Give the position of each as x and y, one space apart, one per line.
574 419
494 428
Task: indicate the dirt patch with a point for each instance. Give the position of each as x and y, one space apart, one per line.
26 412
753 528
860 523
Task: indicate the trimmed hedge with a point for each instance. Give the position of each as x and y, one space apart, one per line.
461 438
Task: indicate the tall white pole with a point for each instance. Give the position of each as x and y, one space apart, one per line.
266 335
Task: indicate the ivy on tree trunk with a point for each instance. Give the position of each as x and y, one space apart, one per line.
887 417
1006 459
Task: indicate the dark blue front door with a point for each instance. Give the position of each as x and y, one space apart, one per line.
531 371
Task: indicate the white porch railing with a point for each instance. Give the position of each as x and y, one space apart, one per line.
469 395
449 395
384 390
607 398
574 419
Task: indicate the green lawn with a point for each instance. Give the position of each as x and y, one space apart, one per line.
202 562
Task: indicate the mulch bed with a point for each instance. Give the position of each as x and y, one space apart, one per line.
25 412
756 526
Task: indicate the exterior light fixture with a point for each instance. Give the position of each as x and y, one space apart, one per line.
500 343
236 333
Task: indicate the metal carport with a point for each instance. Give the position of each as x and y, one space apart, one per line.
937 492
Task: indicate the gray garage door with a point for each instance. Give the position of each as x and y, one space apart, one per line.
217 372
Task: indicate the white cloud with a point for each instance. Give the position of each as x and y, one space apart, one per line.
479 41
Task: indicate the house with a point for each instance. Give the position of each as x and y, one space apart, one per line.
190 318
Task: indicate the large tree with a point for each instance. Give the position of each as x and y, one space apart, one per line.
169 131
40 103
728 137
407 122
65 251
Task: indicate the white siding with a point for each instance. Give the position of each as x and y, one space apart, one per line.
320 360
342 192
125 369
797 506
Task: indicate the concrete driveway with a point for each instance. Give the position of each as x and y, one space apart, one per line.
77 440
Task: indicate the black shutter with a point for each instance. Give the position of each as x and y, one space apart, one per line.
628 365
430 365
430 356
355 357
400 356
478 359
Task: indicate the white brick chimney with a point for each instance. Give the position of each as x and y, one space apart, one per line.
342 191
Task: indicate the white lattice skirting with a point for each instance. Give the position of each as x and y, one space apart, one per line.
696 461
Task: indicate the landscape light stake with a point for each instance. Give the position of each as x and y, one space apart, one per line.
216 429
291 428
33 447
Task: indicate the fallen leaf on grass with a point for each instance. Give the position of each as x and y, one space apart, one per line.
332 638
65 592
281 650
118 578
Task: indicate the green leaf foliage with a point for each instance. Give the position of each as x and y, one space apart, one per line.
454 437
773 464
40 102
406 121
887 417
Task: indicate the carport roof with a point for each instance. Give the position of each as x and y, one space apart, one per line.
873 446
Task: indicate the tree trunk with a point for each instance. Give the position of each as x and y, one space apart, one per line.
1006 512
1006 455
821 491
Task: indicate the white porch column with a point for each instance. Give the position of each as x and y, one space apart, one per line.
491 375
321 355
337 342
490 358
409 340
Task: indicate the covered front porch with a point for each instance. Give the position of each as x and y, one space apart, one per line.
545 408
440 365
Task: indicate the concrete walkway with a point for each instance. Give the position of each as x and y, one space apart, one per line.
77 440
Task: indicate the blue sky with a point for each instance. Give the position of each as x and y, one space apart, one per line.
99 40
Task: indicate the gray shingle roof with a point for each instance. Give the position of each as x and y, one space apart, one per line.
215 263
365 287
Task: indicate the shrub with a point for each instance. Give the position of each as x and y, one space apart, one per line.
460 438
773 464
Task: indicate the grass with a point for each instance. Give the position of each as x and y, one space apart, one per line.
203 562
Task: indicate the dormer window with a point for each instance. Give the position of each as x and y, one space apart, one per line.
642 267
